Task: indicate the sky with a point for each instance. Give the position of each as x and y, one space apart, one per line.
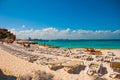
61 19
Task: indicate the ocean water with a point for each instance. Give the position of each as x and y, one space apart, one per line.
82 43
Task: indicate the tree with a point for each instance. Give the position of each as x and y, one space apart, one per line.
4 33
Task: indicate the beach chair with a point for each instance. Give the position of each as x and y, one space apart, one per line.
32 58
77 56
43 60
86 57
110 53
115 69
99 58
67 54
54 65
94 68
107 58
116 58
73 65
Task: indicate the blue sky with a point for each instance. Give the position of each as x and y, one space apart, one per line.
60 14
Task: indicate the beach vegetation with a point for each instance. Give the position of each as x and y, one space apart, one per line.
5 34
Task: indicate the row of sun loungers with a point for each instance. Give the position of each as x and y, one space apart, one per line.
107 58
70 66
21 54
83 56
65 52
103 58
96 58
52 63
92 68
55 51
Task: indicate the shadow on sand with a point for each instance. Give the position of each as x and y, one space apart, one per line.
104 71
6 77
78 70
98 78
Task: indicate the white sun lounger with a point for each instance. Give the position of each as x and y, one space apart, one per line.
115 69
94 67
73 65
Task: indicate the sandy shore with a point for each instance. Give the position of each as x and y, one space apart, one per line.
12 65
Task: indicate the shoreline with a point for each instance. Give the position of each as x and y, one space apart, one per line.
51 46
97 44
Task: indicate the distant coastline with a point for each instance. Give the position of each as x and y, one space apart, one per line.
69 39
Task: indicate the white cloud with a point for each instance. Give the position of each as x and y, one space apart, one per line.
23 26
53 33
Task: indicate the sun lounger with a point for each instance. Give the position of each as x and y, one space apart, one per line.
73 65
54 65
32 59
110 53
99 58
116 59
86 57
57 62
107 58
67 54
115 69
94 68
77 56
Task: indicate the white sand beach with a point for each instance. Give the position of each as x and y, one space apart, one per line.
14 65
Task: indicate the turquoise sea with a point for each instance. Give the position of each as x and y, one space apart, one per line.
82 43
